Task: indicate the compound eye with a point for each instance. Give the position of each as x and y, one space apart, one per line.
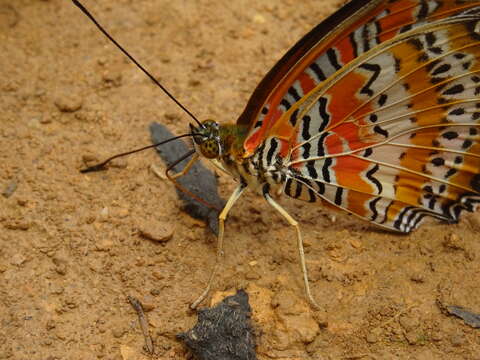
210 149
210 124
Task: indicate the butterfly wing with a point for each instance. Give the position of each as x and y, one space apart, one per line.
354 29
393 136
380 115
258 112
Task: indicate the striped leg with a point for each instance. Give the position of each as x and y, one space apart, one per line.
301 253
221 227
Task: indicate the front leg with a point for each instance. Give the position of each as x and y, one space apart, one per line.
221 228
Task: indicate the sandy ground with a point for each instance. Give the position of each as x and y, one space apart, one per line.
70 244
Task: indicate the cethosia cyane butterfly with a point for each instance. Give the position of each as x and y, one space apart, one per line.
376 111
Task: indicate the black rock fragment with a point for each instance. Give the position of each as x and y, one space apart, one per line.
199 180
223 332
472 319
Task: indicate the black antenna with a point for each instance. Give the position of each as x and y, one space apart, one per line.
90 16
101 166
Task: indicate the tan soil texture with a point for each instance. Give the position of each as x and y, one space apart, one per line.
71 248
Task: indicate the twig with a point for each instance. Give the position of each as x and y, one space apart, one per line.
137 306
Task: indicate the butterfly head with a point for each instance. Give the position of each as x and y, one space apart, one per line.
207 140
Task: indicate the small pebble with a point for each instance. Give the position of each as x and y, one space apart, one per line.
155 292
45 120
89 159
48 342
9 189
50 325
118 333
412 337
252 275
470 254
307 242
102 329
18 259
356 244
90 219
71 303
158 275
321 317
9 16
148 304
259 19
437 334
122 213
104 244
102 61
453 242
22 202
112 78
409 323
128 353
69 102
371 338
153 18
60 266
104 213
417 277
158 232
171 116
58 290
194 83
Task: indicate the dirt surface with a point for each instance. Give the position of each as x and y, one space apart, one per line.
71 248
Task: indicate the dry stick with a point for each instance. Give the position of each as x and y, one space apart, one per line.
137 306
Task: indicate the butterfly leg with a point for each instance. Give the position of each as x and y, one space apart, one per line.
187 167
301 252
221 228
182 172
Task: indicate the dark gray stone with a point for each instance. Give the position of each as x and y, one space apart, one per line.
199 180
223 332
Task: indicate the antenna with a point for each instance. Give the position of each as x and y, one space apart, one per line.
90 16
101 166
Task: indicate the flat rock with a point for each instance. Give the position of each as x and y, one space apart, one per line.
199 180
224 331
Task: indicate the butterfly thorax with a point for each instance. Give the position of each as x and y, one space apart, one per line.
223 145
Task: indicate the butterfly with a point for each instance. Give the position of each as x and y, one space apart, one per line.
376 111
